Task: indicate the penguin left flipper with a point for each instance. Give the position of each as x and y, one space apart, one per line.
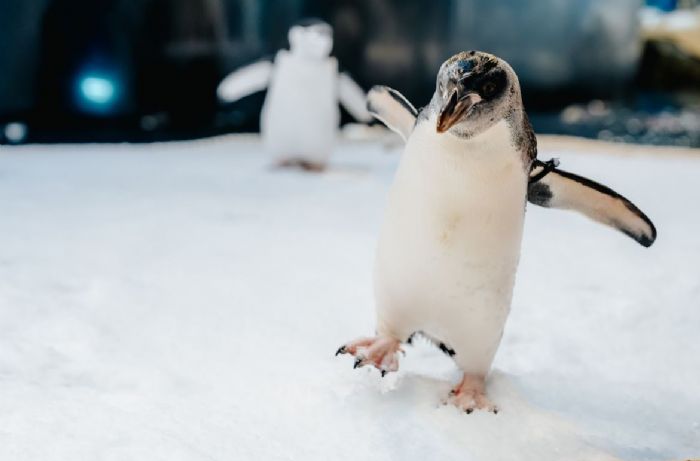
564 190
352 97
392 109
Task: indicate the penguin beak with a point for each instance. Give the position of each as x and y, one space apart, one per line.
453 110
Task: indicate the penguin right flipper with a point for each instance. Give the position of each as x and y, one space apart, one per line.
245 81
392 109
564 190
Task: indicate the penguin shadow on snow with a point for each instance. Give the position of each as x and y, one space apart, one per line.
330 170
521 430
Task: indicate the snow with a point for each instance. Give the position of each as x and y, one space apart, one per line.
183 302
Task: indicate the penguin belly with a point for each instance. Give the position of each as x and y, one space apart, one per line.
450 242
300 116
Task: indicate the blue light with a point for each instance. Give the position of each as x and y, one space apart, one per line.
98 90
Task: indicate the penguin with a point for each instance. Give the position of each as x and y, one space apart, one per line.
548 186
303 81
450 240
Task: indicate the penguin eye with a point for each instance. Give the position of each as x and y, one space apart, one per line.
488 88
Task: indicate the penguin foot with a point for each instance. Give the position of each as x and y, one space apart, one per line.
470 395
379 351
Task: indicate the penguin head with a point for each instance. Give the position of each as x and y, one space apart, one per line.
474 91
311 38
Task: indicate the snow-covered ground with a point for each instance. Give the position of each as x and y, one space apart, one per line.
184 301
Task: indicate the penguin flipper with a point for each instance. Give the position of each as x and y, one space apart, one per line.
352 97
392 109
564 190
245 81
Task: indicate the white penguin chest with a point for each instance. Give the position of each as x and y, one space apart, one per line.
450 241
300 115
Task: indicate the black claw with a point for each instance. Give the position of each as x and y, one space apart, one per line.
341 350
469 411
446 350
383 372
495 411
358 362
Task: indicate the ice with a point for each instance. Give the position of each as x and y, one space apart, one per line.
184 301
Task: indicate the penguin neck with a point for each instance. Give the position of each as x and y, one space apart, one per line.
492 143
484 158
299 53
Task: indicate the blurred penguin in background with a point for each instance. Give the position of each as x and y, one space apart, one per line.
300 116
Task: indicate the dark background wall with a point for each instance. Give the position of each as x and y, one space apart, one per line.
20 36
166 57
